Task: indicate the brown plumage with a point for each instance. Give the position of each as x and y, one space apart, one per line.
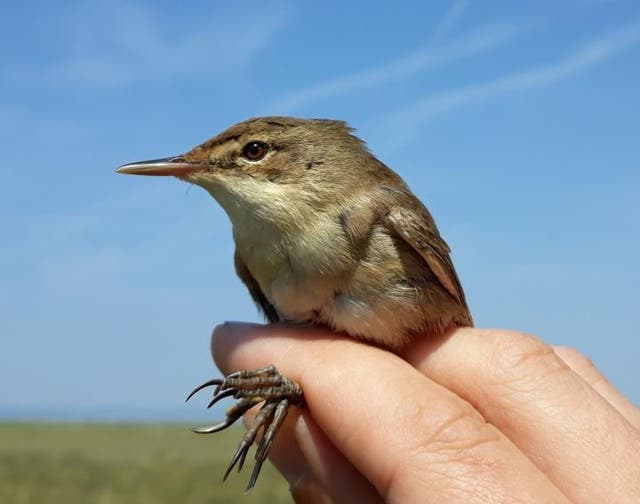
325 233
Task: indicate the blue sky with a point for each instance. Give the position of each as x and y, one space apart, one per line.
517 124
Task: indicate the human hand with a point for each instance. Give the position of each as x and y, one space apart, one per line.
473 416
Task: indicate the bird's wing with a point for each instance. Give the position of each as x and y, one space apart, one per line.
254 289
417 228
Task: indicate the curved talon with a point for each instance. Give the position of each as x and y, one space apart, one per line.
220 396
243 457
235 412
241 453
254 476
210 429
215 381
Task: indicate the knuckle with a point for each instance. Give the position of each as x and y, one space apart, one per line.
582 365
522 360
453 431
445 442
574 357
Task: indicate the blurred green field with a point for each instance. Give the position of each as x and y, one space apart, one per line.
113 463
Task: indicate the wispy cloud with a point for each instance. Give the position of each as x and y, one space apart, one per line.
109 44
450 19
482 39
595 52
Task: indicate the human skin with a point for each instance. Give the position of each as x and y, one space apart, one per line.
475 415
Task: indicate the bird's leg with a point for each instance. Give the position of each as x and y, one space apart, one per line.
252 387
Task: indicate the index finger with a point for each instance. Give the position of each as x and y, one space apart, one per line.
409 436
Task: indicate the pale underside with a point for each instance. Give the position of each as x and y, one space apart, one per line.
307 271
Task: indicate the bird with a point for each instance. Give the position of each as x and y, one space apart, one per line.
325 233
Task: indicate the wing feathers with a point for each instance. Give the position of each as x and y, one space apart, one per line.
429 244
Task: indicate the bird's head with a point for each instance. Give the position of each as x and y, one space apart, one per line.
271 161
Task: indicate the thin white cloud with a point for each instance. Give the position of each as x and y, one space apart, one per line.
595 52
109 45
480 40
451 18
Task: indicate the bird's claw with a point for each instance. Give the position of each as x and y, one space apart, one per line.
252 387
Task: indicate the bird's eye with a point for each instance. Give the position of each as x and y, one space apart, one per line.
255 150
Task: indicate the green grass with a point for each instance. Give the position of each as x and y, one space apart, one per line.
113 463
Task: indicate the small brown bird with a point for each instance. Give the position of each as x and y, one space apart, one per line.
325 233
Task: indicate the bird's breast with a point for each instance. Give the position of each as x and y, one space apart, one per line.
313 276
298 267
309 271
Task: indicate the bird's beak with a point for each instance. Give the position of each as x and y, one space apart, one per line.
172 166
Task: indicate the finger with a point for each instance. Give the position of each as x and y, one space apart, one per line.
315 469
407 435
521 386
583 366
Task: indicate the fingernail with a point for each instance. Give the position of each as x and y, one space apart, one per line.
229 325
224 335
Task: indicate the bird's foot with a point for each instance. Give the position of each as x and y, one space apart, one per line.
253 387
